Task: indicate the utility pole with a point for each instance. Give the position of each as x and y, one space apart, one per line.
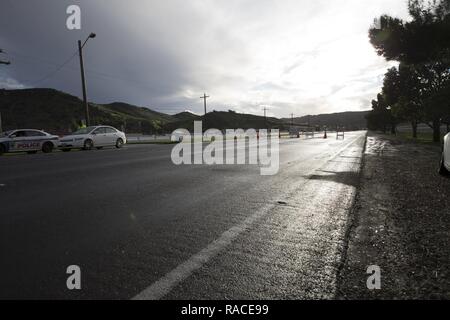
265 117
83 77
292 119
204 103
1 127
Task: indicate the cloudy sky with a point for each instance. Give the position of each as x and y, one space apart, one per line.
291 56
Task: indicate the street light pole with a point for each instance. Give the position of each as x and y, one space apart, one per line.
83 84
83 78
7 63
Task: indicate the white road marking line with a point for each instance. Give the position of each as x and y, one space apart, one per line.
2 185
164 285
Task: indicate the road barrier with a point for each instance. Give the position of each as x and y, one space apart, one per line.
340 133
147 138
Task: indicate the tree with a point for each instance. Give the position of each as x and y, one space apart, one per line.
422 46
436 92
380 118
423 39
402 91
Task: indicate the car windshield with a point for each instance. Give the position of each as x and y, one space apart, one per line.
83 131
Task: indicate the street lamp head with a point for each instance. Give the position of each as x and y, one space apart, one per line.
92 35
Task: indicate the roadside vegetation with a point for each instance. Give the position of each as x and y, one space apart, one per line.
418 89
420 137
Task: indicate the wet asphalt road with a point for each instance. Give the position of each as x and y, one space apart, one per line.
138 225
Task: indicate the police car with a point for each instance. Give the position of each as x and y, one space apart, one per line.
93 137
27 140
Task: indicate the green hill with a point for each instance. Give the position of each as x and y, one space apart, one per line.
350 120
131 111
59 112
227 120
186 116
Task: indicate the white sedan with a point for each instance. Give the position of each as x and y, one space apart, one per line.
27 140
93 137
445 158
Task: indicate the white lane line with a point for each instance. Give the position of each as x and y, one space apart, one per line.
164 285
2 185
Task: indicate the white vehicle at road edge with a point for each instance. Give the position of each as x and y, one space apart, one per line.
93 137
27 140
444 168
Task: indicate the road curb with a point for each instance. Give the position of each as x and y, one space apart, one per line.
351 224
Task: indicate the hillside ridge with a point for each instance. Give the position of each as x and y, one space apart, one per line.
60 112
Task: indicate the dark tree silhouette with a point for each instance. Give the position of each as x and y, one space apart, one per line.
419 89
381 117
402 90
423 39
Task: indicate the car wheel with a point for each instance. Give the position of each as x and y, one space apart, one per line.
66 150
2 149
47 147
31 152
88 144
119 143
442 169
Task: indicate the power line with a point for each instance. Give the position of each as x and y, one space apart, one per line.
94 73
27 57
51 74
91 72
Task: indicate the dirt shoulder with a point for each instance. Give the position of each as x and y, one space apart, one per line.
401 223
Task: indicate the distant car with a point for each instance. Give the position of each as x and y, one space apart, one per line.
445 158
27 140
93 137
